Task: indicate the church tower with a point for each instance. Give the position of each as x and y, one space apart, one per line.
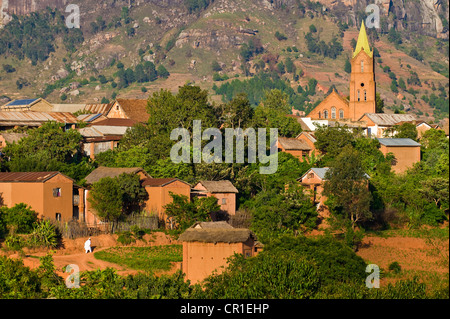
362 79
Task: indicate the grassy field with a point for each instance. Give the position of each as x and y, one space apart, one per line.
143 258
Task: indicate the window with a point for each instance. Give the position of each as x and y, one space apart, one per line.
362 66
359 97
224 201
57 192
325 114
333 112
311 175
365 95
319 115
341 114
58 216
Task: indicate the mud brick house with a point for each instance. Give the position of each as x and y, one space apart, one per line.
52 195
405 150
313 181
133 109
159 189
207 245
294 146
223 190
104 135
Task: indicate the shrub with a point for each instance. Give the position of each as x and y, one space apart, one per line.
19 218
45 234
395 267
126 238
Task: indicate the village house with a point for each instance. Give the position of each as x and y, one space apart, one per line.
378 123
134 109
52 195
405 150
207 245
310 140
223 190
38 104
104 135
159 189
313 181
294 146
91 217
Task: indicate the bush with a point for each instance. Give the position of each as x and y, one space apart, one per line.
45 234
19 219
126 238
395 267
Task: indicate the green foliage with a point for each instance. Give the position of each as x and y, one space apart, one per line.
395 267
276 212
331 49
18 219
348 66
113 198
197 5
143 258
47 148
33 36
45 234
186 212
280 36
346 186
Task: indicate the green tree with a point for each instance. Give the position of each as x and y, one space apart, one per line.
348 66
18 219
346 186
162 71
187 212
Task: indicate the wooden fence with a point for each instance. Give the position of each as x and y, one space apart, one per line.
76 229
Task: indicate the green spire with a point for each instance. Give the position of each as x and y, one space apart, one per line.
363 42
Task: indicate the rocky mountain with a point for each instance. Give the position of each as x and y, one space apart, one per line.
212 42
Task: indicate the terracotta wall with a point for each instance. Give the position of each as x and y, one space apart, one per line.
158 197
117 112
201 259
40 196
405 157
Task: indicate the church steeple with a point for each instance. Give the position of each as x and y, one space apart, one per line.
363 42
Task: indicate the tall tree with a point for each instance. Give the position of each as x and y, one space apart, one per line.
347 187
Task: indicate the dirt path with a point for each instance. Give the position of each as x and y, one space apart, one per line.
73 253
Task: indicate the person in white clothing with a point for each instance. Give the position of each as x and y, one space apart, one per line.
87 246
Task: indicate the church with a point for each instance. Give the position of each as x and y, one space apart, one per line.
362 88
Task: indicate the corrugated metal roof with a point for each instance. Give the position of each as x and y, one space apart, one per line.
384 119
26 176
111 130
397 142
29 117
320 171
98 108
72 108
89 132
